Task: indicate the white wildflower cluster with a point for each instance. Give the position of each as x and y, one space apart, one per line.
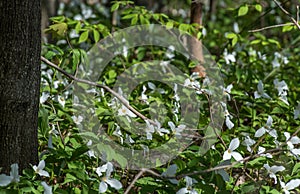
12 178
260 93
229 57
278 58
282 88
106 179
228 116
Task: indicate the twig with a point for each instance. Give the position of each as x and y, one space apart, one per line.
121 98
269 27
134 181
288 14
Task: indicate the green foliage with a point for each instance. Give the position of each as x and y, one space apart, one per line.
245 60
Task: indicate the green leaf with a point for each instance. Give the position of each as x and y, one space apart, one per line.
83 37
255 41
60 28
295 169
134 20
79 151
170 24
231 35
96 35
78 27
115 6
287 28
69 178
243 10
258 7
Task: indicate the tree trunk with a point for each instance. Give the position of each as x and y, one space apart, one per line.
197 51
20 47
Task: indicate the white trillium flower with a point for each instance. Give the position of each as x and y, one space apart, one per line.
261 150
236 27
176 96
119 134
149 130
292 184
222 172
228 122
106 180
176 130
159 129
12 178
273 170
291 142
188 189
228 117
234 144
47 188
280 86
39 169
61 100
125 111
229 57
44 97
52 132
260 91
192 82
90 153
297 111
267 128
170 172
282 90
77 120
227 91
248 142
144 97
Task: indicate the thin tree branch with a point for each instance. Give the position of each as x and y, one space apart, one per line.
269 27
136 178
288 14
121 98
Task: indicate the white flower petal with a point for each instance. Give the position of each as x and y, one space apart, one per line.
275 169
292 184
43 173
229 123
260 132
102 187
273 133
287 135
226 155
269 121
296 151
114 183
47 188
14 172
170 171
295 140
237 156
182 191
109 169
235 143
41 164
5 180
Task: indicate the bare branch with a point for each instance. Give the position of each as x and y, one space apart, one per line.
134 181
121 98
288 14
269 27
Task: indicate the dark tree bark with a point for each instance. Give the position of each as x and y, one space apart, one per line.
20 47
